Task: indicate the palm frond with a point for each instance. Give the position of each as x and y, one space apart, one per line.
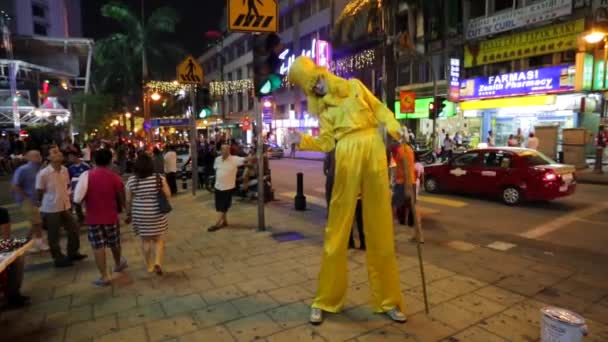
124 16
162 20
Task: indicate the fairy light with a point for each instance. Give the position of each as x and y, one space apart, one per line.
347 65
230 87
166 87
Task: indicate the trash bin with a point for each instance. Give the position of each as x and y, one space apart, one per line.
561 325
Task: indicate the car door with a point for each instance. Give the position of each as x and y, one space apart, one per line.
461 173
496 167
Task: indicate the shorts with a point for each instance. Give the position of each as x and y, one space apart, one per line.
104 235
31 212
223 200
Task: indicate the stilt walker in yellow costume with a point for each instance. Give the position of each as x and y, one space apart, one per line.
350 114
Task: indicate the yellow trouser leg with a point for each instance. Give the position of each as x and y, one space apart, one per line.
333 277
379 234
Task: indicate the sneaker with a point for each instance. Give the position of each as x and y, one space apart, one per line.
42 245
77 257
122 266
316 316
214 228
396 315
65 262
100 282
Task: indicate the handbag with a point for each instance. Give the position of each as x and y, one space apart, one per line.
163 203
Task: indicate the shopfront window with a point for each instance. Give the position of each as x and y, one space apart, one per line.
541 61
477 8
501 5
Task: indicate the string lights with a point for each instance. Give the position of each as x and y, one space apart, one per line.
355 62
166 87
230 87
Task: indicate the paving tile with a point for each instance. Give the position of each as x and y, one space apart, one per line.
302 333
358 295
255 303
224 279
139 315
114 305
253 327
134 334
44 334
338 327
455 316
215 334
365 317
20 323
258 285
435 296
62 319
511 328
597 312
223 294
457 285
598 332
201 284
527 311
475 334
425 328
288 278
91 329
479 305
499 295
58 304
182 304
387 334
217 314
172 327
290 315
290 294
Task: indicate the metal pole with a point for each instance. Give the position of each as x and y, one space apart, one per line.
260 158
193 136
434 78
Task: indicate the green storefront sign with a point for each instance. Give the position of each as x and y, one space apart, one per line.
421 109
598 80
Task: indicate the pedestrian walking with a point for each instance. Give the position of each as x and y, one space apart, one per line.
86 153
533 141
14 272
121 156
226 167
102 192
448 147
53 187
171 169
24 188
158 161
292 151
512 141
77 167
143 210
491 141
520 138
403 154
419 170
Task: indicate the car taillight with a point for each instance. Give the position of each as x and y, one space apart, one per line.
549 176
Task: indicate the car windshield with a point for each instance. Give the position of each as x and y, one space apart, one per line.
536 158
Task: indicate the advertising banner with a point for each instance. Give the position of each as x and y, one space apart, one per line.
520 17
454 88
554 38
545 80
407 100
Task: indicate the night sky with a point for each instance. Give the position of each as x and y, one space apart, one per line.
197 17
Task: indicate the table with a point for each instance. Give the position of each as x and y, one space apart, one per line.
8 258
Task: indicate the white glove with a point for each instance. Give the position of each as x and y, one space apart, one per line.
294 138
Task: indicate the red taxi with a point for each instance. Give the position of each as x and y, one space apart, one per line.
513 174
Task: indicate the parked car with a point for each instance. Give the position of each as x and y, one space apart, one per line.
274 151
512 174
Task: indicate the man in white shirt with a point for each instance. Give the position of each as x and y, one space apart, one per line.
533 141
171 169
226 167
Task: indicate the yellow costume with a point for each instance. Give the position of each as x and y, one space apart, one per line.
350 114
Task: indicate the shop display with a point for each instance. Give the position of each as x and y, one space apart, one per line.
10 245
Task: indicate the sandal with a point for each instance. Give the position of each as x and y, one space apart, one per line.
100 282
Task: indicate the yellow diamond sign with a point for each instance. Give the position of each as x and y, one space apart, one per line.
253 15
189 71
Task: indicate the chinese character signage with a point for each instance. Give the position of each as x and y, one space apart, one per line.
549 39
320 52
454 88
407 101
323 55
508 20
537 81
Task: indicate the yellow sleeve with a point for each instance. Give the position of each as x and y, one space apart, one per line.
381 112
326 140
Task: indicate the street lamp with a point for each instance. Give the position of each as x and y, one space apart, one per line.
128 115
155 96
594 37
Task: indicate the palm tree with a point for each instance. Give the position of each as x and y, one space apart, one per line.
140 44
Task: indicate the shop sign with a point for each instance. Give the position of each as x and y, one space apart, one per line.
454 88
554 38
170 122
545 80
584 71
407 100
421 109
246 124
521 17
320 52
598 77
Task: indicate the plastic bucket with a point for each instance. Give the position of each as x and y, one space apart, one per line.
561 325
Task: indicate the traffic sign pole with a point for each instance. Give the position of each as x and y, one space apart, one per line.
193 135
260 158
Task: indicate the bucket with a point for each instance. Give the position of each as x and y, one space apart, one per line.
561 325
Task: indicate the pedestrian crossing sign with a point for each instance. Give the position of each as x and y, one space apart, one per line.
253 15
189 71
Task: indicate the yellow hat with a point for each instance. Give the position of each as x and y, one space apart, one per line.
304 74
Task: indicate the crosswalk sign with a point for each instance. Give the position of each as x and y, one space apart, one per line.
253 15
189 71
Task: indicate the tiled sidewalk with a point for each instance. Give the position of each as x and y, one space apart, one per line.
241 285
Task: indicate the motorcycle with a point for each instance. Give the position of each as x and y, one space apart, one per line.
427 157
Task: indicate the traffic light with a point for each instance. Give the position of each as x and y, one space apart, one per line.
439 105
266 63
431 110
206 103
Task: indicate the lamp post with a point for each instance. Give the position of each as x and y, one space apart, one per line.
594 37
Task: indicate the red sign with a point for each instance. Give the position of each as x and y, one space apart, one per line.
246 124
407 99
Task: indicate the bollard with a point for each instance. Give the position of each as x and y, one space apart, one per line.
300 199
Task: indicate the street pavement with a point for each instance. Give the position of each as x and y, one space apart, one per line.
489 270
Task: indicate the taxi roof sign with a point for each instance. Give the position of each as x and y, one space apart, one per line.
253 15
189 71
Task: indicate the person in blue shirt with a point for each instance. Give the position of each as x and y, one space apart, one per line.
24 188
77 167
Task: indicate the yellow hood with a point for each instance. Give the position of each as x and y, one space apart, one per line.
304 74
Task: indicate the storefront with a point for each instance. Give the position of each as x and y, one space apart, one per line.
447 119
309 124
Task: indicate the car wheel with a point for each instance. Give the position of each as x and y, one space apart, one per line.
431 185
511 195
429 159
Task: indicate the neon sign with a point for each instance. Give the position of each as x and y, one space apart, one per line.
320 51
